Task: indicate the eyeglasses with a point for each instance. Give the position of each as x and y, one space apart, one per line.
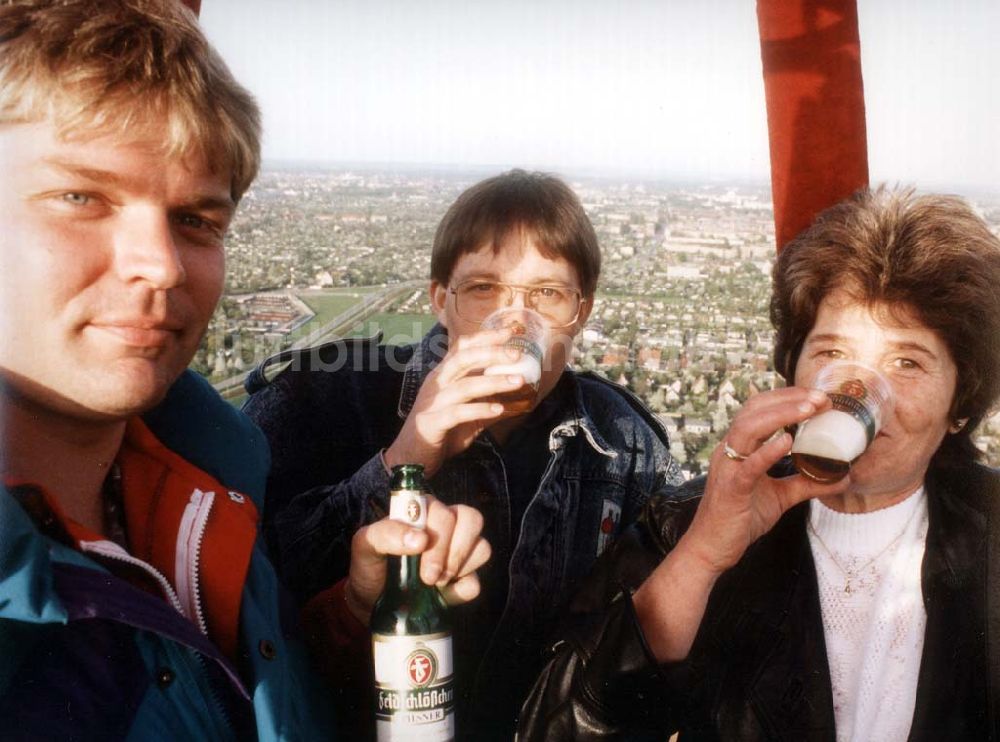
476 299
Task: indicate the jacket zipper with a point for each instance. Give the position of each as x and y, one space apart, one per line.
190 535
186 598
556 454
111 550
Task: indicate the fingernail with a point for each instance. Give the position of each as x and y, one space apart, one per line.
816 396
412 539
807 407
515 380
496 409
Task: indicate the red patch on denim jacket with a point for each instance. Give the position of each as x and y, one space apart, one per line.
611 515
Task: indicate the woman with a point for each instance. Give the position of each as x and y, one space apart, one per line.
767 605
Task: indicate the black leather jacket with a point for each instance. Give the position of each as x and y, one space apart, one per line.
758 668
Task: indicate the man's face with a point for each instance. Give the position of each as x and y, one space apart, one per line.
518 262
111 264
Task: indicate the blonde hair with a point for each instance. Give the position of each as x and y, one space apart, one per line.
127 68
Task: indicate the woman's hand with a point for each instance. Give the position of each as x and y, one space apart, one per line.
452 550
741 503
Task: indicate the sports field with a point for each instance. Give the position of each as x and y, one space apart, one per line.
327 304
397 329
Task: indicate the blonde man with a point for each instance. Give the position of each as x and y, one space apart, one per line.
135 600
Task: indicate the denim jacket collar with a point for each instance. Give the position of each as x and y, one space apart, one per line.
432 349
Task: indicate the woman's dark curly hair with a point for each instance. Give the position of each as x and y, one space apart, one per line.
928 254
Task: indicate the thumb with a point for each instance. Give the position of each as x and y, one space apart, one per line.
387 537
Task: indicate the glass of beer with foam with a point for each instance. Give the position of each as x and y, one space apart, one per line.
827 444
528 339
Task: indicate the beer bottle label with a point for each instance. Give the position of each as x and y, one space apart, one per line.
409 507
414 687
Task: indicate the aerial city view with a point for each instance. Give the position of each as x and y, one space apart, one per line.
695 432
681 311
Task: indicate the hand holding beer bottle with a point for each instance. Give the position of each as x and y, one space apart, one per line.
451 550
411 635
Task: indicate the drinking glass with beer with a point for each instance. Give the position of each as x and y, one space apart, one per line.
545 308
527 341
826 445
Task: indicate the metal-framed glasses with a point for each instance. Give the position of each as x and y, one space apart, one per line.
476 299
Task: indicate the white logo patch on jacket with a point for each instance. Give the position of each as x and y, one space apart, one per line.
611 514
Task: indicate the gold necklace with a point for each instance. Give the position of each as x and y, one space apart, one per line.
849 574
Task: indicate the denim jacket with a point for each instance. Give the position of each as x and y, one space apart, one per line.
331 413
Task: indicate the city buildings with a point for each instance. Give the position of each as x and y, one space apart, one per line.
681 317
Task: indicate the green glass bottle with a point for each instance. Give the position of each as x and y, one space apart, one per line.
411 635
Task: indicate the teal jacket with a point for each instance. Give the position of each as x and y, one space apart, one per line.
87 655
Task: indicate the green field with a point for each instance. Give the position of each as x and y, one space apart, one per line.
327 305
397 329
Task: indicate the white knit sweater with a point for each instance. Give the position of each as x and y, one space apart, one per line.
868 568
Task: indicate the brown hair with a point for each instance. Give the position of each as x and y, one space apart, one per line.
538 204
929 254
127 67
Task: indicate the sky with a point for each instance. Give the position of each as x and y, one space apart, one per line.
665 88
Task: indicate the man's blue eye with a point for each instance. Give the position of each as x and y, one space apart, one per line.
76 199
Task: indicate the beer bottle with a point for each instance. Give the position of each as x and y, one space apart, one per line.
411 635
